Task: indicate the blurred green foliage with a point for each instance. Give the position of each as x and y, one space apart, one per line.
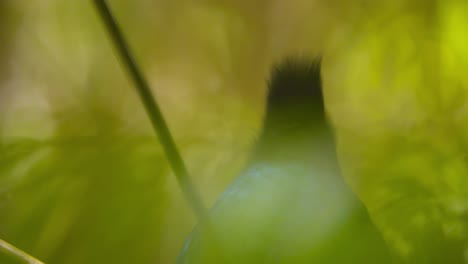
403 141
83 180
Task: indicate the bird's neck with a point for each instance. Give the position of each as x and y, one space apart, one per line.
294 140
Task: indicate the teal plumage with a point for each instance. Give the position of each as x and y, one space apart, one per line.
290 204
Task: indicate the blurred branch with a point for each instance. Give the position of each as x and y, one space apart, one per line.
17 253
153 111
160 126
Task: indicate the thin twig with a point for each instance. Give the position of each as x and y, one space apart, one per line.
17 253
153 111
161 129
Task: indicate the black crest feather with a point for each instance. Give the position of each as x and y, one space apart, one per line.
296 83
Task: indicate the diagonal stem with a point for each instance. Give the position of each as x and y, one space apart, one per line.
162 130
16 253
153 111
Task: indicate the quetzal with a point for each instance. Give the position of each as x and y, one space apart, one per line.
290 204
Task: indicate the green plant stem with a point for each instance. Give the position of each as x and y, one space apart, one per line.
153 111
16 253
161 129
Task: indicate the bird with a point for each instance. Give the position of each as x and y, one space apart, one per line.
290 203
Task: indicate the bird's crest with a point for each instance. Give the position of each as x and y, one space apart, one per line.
295 83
